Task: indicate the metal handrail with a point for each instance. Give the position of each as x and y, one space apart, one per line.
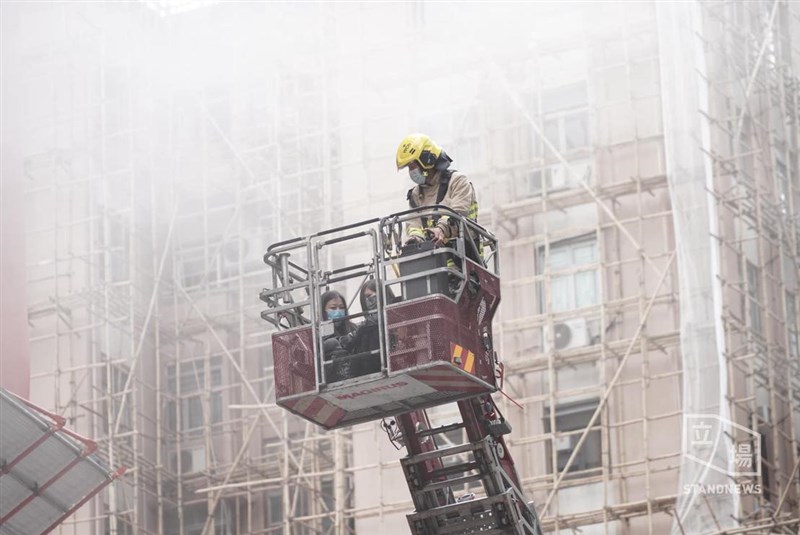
386 241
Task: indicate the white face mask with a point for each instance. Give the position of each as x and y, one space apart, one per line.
417 176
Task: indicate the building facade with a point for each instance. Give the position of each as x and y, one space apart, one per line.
638 162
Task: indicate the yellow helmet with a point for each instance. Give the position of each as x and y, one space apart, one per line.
417 148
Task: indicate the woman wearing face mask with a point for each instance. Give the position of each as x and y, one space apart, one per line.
334 308
369 300
362 342
366 337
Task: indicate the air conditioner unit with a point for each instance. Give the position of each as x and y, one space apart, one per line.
192 460
253 248
563 443
568 334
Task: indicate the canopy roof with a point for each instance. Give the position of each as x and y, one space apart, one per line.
46 471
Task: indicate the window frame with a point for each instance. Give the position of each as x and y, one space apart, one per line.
590 458
570 272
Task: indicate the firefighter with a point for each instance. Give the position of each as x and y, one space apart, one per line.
429 167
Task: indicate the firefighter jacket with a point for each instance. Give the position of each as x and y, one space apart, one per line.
460 198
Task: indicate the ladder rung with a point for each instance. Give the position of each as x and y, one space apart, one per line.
433 485
435 454
440 429
455 469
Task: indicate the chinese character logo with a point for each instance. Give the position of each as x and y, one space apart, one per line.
742 454
709 442
701 434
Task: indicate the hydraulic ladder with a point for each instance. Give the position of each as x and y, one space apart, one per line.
434 474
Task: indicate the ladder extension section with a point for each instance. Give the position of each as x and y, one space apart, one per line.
438 478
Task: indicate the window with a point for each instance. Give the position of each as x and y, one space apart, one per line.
791 326
193 268
273 511
574 277
797 229
574 417
565 97
753 292
766 461
470 153
326 502
194 519
745 157
781 176
192 387
123 522
118 248
565 125
565 119
119 376
300 505
567 132
113 231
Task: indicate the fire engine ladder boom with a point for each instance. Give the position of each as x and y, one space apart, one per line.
435 476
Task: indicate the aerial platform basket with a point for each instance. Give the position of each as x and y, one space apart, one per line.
433 342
